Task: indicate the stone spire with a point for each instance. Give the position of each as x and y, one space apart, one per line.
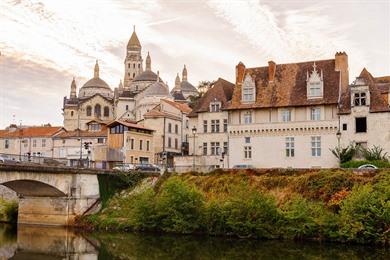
96 70
134 42
148 62
120 86
177 82
158 76
184 74
73 88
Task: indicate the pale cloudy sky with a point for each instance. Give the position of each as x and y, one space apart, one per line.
45 43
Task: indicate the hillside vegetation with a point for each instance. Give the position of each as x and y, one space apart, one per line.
332 205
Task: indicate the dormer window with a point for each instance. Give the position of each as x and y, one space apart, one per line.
315 83
215 106
360 99
248 89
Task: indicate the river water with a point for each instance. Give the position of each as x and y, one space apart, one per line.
37 242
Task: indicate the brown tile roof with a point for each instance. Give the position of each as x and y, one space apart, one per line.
39 131
222 90
81 133
155 112
182 107
379 89
289 85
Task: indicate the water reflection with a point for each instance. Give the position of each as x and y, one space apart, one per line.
32 242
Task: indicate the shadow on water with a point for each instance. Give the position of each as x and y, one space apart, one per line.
33 242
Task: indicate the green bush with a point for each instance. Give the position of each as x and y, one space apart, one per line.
374 154
344 154
8 211
365 215
356 164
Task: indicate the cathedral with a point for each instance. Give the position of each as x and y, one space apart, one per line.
139 92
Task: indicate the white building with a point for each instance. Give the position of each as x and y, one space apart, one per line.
287 115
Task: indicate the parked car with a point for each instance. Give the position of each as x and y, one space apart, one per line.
243 166
5 159
124 167
367 166
147 168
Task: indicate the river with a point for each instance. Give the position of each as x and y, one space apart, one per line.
44 243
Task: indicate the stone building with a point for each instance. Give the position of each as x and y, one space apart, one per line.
286 115
183 87
365 112
170 122
209 121
95 100
28 143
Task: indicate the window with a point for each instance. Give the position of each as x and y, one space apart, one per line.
213 126
176 144
63 141
315 83
140 144
204 126
6 144
94 127
133 65
248 117
147 145
100 140
225 147
247 152
71 113
128 65
127 107
176 129
286 115
89 110
315 114
225 125
169 142
215 149
106 111
139 66
215 107
132 144
204 148
217 126
169 128
360 99
247 140
187 124
98 111
290 147
248 89
344 127
361 124
316 146
134 77
34 144
43 142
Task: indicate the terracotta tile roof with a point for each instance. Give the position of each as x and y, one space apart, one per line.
39 131
379 89
289 85
156 112
81 133
181 106
222 91
128 123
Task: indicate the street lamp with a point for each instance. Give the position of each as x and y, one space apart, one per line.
193 150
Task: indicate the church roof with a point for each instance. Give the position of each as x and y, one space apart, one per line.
134 41
185 86
147 75
96 83
178 95
157 89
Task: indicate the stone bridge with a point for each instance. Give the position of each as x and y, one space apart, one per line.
52 195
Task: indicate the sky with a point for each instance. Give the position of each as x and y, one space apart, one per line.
44 44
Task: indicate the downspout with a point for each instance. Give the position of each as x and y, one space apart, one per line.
228 141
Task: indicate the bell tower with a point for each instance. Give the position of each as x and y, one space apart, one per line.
133 60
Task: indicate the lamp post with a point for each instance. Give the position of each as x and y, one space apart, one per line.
193 149
338 135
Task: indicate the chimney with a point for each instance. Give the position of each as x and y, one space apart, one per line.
271 70
341 64
240 70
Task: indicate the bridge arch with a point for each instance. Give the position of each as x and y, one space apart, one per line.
33 188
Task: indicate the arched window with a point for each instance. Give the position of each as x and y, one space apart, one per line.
133 75
248 89
89 110
106 111
71 113
98 111
127 107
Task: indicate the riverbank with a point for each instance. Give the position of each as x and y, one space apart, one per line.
326 205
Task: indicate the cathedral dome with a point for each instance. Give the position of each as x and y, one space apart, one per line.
157 89
185 86
147 75
95 86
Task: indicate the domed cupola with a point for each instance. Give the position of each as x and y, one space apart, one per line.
158 88
95 86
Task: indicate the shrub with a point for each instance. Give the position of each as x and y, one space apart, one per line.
356 164
344 154
8 211
374 154
365 215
